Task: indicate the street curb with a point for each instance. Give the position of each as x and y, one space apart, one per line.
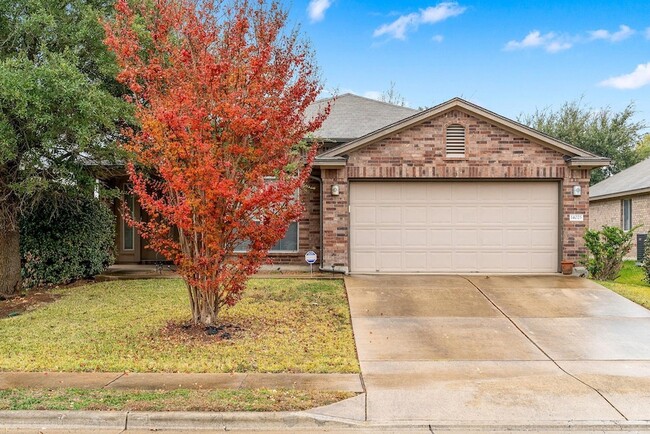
39 419
97 420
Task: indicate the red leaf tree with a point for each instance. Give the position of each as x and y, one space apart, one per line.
220 91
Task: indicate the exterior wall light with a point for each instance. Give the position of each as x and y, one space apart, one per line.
336 190
577 190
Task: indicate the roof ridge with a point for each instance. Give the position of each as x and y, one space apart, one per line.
350 94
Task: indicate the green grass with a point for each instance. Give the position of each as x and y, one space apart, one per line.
631 284
175 400
288 325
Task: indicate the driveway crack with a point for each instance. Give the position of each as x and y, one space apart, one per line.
540 348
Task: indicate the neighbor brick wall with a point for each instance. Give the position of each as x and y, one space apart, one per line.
608 212
419 153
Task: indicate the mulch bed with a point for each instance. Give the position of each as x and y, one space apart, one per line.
28 301
189 333
33 299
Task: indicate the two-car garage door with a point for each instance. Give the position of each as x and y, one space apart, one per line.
407 227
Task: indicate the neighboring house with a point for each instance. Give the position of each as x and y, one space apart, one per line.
455 188
623 200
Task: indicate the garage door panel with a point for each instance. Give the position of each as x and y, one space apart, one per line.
389 214
465 214
516 238
364 215
465 261
465 191
465 238
490 260
391 261
365 239
414 215
415 261
439 238
542 214
415 237
454 227
439 262
389 238
516 214
440 215
491 214
491 238
543 238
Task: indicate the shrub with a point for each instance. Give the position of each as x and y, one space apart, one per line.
607 249
646 259
65 240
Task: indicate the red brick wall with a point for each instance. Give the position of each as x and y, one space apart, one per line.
419 153
308 228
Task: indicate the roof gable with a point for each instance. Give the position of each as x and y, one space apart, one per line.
635 179
577 156
352 116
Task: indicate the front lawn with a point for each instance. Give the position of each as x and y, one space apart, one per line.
174 400
281 325
631 284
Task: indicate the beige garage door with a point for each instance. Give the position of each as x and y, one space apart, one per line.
435 227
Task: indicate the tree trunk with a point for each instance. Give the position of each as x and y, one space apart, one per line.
205 307
9 260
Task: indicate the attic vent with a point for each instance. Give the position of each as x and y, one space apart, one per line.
455 141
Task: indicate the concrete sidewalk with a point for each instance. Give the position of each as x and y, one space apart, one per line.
167 381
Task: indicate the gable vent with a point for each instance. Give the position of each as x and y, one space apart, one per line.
455 141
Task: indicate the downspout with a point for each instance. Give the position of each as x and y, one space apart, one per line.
320 210
321 267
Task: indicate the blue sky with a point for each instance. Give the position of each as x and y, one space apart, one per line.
508 56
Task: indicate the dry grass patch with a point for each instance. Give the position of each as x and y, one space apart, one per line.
176 400
282 325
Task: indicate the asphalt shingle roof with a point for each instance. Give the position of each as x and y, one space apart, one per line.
352 116
631 179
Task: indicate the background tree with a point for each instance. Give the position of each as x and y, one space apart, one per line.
58 108
643 147
603 132
392 95
220 91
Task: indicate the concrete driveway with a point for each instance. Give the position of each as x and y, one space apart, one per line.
519 349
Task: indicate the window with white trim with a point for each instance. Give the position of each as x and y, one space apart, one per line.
288 243
455 141
626 205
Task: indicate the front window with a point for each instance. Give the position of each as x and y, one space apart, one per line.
128 233
627 214
289 243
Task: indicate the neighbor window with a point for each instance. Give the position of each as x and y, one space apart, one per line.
627 214
455 141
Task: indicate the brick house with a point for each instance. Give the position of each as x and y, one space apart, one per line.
455 188
623 200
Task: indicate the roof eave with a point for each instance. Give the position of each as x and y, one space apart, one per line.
330 163
621 194
588 162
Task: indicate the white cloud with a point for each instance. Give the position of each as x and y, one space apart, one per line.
638 78
441 12
554 42
438 38
623 33
647 33
431 15
551 42
316 9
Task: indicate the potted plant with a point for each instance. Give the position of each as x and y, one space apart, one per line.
567 267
